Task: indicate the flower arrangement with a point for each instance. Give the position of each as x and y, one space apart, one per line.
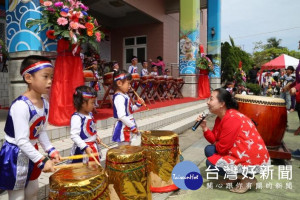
67 19
204 63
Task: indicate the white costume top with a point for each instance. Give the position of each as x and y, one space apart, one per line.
132 69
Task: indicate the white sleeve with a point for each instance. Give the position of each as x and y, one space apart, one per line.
43 137
19 112
75 132
119 103
130 69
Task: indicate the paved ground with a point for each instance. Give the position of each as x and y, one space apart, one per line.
192 142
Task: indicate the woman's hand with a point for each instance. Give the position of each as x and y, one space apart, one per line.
293 91
203 123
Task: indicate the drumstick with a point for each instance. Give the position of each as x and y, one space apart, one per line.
136 94
92 155
75 157
72 165
141 131
104 145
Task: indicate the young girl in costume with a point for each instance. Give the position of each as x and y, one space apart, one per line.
83 125
125 129
20 161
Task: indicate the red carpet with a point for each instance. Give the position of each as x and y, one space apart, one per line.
105 113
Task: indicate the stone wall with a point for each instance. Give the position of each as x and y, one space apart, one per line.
4 85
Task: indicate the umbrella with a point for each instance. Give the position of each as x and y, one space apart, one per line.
282 61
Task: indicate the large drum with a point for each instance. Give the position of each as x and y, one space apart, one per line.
135 77
169 78
268 113
126 168
87 182
108 78
159 78
147 77
162 151
88 75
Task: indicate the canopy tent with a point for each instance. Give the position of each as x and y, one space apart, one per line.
282 61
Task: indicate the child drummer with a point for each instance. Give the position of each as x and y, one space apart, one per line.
20 161
83 125
125 129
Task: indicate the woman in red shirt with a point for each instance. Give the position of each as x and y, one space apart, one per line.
236 144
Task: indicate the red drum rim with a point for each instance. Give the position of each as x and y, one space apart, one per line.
164 189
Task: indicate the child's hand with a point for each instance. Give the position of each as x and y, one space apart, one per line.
141 101
135 131
88 151
98 139
56 158
49 166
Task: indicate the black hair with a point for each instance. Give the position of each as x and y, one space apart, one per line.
227 98
78 99
117 73
133 57
142 62
290 68
29 60
159 58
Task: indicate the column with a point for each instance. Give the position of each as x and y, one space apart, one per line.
189 45
214 40
22 42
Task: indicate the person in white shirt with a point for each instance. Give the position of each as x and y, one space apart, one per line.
154 71
20 161
133 67
144 71
125 129
83 125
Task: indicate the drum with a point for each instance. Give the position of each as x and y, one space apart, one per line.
108 78
162 152
159 78
135 76
268 113
88 182
179 80
147 77
88 75
169 78
126 168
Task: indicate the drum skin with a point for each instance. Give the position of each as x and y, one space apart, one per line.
88 75
269 114
135 76
147 77
108 78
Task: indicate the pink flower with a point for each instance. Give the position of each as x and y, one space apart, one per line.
47 3
64 14
81 26
96 23
98 36
62 21
58 4
74 25
84 7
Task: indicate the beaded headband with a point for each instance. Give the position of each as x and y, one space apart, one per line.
36 67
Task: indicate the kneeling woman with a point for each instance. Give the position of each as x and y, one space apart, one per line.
235 141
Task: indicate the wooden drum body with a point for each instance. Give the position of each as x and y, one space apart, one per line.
169 78
147 77
126 168
108 78
88 75
159 78
268 113
88 182
162 152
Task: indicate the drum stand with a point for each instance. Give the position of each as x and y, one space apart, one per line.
280 152
146 90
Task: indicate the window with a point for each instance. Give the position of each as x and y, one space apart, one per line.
134 46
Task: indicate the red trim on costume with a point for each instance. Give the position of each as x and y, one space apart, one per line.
88 128
33 126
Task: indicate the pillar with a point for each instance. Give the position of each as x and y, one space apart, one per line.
189 45
22 42
214 40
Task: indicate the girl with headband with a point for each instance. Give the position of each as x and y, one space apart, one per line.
83 125
125 129
20 161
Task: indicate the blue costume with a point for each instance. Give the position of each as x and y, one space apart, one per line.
19 154
84 134
123 109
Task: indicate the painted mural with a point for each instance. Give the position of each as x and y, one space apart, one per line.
19 37
214 35
189 35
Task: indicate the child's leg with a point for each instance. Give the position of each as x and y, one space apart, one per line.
16 194
32 189
124 143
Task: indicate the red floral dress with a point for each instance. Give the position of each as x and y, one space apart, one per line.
237 142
